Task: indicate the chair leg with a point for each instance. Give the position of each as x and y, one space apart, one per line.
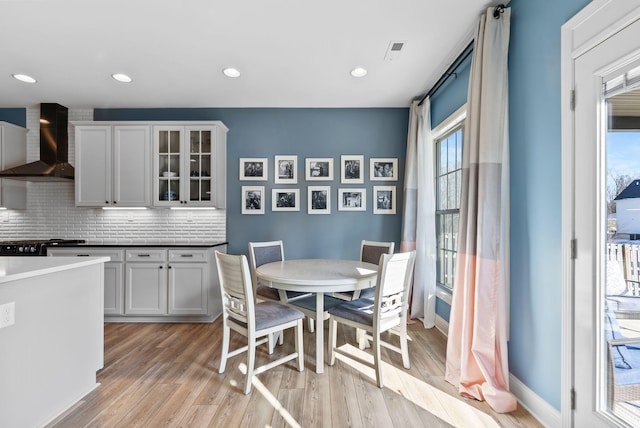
299 347
251 360
271 342
361 337
404 344
281 337
333 324
377 363
226 331
310 320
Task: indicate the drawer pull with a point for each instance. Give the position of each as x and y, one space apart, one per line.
186 255
144 255
83 255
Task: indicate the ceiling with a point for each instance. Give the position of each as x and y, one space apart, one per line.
291 53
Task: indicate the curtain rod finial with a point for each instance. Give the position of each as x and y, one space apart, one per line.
498 10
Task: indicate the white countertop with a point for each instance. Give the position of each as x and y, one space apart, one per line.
15 268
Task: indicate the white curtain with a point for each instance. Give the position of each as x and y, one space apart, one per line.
477 362
418 222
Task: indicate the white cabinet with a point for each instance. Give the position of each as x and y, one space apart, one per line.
156 284
113 165
190 165
113 273
146 282
13 152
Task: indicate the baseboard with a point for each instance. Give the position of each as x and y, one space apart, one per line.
545 413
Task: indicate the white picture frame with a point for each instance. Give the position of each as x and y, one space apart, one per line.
319 199
285 199
253 199
352 169
318 169
254 169
352 199
285 169
383 169
384 199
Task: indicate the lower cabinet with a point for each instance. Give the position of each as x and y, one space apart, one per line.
157 284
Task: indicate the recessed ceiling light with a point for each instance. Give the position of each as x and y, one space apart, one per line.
24 78
359 72
121 77
231 72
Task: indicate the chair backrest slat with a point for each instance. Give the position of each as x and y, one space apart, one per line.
395 274
236 286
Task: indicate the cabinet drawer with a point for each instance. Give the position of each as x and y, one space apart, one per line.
187 255
146 255
115 254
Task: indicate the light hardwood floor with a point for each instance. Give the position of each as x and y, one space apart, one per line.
166 375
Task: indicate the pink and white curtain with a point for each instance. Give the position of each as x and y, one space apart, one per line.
477 361
419 219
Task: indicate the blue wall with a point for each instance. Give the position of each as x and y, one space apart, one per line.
259 132
17 116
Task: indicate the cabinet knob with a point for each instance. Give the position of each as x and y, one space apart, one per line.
115 202
160 267
106 202
169 266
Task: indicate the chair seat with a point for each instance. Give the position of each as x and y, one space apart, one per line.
359 310
271 314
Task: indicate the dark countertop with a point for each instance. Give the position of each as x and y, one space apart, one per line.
142 245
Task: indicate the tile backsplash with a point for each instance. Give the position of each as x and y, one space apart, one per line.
51 210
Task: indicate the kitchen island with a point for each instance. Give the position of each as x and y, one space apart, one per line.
49 355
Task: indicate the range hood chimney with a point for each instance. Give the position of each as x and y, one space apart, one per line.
54 149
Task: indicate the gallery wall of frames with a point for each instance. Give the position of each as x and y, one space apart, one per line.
311 189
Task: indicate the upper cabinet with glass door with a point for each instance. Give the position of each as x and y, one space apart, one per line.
190 165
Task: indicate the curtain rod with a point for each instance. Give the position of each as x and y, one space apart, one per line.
451 71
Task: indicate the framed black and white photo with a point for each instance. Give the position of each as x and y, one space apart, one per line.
352 199
384 199
319 169
285 199
352 169
383 169
319 199
253 199
254 169
286 169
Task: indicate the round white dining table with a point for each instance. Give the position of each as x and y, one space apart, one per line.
318 276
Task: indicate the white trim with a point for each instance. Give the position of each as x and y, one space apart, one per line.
444 294
450 122
594 24
544 412
442 325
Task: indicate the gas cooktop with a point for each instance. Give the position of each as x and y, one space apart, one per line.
33 247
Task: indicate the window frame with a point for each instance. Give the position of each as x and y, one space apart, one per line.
453 123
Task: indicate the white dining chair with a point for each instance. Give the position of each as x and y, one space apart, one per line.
383 313
253 320
370 252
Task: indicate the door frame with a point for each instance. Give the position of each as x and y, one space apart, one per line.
594 24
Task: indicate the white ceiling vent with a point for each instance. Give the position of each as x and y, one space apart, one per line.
394 49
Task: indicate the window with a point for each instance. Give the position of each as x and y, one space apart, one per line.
448 147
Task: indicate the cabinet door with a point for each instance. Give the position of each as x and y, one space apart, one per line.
113 288
188 288
93 166
132 166
13 152
200 151
146 289
168 165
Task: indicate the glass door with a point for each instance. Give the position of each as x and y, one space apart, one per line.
200 166
169 158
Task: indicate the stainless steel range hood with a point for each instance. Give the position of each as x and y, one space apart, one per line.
54 149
